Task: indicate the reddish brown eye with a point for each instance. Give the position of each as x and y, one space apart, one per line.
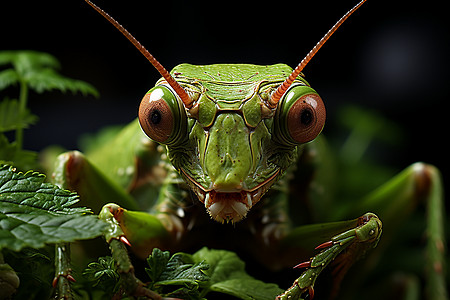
306 118
156 117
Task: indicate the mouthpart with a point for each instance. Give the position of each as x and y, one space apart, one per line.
230 205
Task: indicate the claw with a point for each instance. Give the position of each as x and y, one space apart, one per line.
124 240
325 245
311 292
56 278
70 278
55 281
305 264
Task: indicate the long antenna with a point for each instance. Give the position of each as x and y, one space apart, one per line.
170 80
276 96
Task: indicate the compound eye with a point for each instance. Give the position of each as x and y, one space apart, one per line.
156 116
306 118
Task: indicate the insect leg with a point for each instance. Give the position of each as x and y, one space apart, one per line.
343 249
397 200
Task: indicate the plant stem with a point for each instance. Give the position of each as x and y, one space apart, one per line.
62 272
130 283
23 98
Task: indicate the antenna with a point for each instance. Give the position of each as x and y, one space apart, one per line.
170 80
276 96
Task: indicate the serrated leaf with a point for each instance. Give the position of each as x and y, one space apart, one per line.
48 79
38 71
177 276
176 270
181 269
11 118
157 263
103 273
34 213
227 275
29 189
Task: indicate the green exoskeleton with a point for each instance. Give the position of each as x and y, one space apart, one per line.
241 140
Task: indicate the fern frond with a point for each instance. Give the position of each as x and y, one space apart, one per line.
7 78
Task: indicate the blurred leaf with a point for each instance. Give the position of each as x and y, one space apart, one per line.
90 142
370 123
11 118
38 71
33 213
26 60
35 269
366 127
7 57
9 281
48 79
12 155
8 77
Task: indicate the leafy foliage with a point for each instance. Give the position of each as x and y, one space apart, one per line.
12 118
103 275
227 275
11 154
37 70
35 270
205 271
176 276
34 213
28 59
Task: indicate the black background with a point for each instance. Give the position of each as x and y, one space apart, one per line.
391 56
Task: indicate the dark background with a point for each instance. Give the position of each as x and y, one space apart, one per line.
391 56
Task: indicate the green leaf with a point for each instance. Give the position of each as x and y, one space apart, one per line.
181 269
227 275
7 57
103 273
157 263
12 155
177 270
27 60
34 213
11 118
205 271
176 276
35 268
48 79
8 77
38 71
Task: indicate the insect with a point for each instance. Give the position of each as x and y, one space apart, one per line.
241 140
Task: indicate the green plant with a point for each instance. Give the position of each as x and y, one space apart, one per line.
29 70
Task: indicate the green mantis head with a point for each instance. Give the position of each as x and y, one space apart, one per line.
231 130
230 146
